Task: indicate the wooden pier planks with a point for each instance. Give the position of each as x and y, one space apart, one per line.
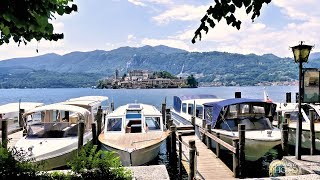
208 165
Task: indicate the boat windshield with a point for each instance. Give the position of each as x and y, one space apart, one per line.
114 124
250 123
152 123
52 130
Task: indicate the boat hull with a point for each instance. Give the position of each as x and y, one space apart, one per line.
136 157
305 138
48 154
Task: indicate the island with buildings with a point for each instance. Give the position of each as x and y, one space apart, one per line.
145 79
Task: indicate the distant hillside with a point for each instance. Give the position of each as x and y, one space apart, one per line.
218 68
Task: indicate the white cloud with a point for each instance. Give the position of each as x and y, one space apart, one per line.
182 13
145 2
168 42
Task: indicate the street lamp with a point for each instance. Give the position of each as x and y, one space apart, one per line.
301 54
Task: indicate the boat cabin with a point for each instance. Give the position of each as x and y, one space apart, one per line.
192 104
227 114
134 118
50 121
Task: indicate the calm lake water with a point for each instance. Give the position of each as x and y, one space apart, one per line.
154 97
148 96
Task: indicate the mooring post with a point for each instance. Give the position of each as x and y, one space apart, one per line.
99 120
297 97
218 147
235 159
279 118
163 111
192 155
173 140
21 121
80 135
193 121
94 134
203 137
4 123
312 133
112 106
242 140
180 155
284 138
168 117
168 141
237 95
288 97
208 138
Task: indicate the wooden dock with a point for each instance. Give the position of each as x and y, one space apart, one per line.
207 164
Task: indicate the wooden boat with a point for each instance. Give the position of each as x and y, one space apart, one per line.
135 132
224 115
290 112
53 137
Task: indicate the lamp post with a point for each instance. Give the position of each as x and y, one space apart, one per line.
301 54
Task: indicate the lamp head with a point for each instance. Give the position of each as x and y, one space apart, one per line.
301 52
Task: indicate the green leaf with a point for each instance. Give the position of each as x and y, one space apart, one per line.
246 2
232 8
237 3
6 31
249 8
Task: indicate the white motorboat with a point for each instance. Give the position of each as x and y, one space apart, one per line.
135 132
52 138
11 111
91 103
289 112
224 115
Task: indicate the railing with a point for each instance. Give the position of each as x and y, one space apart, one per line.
237 147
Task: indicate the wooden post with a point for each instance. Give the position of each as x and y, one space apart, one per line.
112 106
288 97
237 95
192 154
284 138
312 133
297 97
94 134
168 118
242 140
173 140
203 137
279 119
4 123
21 120
80 135
163 111
218 147
193 121
208 138
168 141
99 121
180 155
235 159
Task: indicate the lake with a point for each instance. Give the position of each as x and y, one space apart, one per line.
149 96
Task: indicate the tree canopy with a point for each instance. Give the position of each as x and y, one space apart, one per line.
24 20
226 9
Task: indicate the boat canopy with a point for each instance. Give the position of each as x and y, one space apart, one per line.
213 109
90 98
62 107
177 100
14 107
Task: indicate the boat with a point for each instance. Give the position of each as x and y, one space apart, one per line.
224 115
289 112
11 111
52 138
135 132
91 103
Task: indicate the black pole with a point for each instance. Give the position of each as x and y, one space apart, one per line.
299 124
312 133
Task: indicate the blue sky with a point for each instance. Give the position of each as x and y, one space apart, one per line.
109 24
